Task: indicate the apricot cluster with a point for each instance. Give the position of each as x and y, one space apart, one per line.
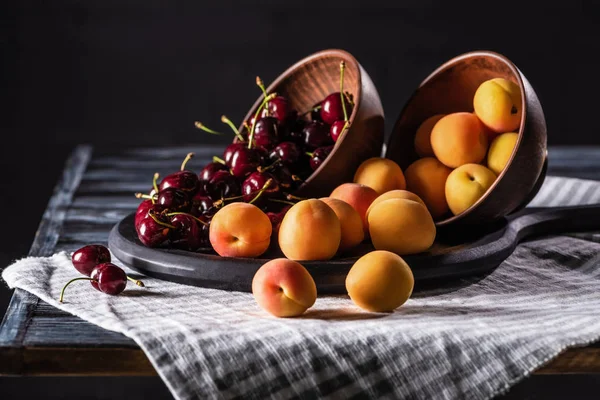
463 153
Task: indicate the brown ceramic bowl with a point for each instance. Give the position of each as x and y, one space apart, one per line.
308 82
450 89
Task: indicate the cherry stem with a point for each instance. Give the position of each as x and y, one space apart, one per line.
261 85
308 153
187 158
201 126
62 292
297 178
349 98
260 108
342 68
261 191
264 169
312 109
159 222
235 130
292 197
189 215
154 180
139 283
144 196
218 160
282 202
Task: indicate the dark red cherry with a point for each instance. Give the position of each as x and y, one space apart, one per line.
318 156
153 231
187 234
315 113
229 150
316 134
279 108
209 171
186 181
244 161
266 133
173 199
287 152
253 185
108 278
223 185
293 131
142 210
331 108
285 178
201 204
87 257
336 130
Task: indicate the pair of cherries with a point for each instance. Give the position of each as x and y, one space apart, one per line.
94 261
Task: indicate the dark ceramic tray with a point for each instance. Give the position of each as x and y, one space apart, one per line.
456 253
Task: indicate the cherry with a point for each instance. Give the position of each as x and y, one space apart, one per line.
173 199
223 184
255 189
187 234
315 112
332 110
186 181
316 134
276 218
266 133
244 161
336 130
318 156
287 152
232 148
279 108
209 171
105 277
87 257
293 131
153 231
201 204
286 178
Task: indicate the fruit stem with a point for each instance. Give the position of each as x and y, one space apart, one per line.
201 126
308 153
218 160
227 121
144 196
188 214
312 109
261 191
292 197
342 97
62 292
159 222
261 85
187 158
297 178
282 202
139 283
260 108
264 169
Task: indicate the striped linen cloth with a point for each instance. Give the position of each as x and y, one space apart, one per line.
473 339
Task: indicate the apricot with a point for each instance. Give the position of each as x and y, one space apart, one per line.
380 281
401 226
358 196
466 184
310 230
395 194
423 136
498 105
240 230
459 139
500 151
350 223
426 178
381 174
284 288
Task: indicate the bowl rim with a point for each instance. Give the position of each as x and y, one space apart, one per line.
517 74
343 55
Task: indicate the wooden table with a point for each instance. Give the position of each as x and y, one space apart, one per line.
96 190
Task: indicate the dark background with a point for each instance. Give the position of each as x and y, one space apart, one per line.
118 73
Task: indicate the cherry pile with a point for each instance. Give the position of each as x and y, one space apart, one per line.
276 150
94 262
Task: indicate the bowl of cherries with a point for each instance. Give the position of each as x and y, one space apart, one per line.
304 136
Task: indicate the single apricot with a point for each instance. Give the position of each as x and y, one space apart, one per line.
500 151
380 281
310 230
426 178
350 223
401 226
459 139
284 288
380 174
423 136
497 103
240 230
395 194
466 184
358 196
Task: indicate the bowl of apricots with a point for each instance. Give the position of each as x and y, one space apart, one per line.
471 140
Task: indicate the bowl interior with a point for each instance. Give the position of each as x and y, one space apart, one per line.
450 89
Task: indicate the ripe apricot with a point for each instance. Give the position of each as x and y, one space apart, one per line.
423 136
459 139
380 174
426 178
497 103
